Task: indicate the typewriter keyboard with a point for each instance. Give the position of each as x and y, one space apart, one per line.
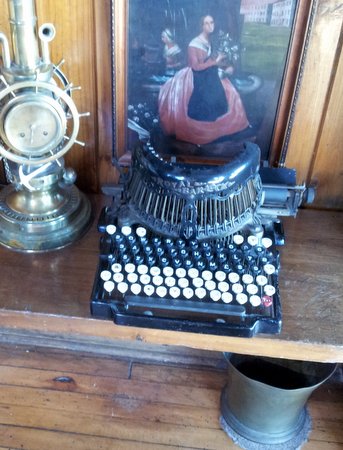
227 286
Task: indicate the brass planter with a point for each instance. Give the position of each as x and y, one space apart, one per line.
264 400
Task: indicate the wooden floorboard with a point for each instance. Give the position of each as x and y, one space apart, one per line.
60 400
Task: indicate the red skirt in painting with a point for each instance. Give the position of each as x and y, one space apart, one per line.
174 100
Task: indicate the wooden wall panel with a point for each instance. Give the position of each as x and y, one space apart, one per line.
314 107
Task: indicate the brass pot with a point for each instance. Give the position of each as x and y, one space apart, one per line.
264 400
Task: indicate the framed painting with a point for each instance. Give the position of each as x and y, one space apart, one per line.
198 78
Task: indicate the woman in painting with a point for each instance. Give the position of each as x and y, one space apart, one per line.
196 105
171 52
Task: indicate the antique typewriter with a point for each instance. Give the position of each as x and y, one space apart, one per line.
193 247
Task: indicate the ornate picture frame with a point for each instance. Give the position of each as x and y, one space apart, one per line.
138 74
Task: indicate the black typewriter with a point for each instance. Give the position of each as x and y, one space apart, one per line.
193 247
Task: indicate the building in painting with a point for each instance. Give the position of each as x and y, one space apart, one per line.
269 12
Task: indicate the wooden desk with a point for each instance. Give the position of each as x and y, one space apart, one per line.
49 294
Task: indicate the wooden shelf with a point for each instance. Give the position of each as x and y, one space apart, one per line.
49 294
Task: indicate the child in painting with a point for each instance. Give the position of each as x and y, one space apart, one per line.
171 52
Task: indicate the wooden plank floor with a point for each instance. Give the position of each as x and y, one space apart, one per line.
59 399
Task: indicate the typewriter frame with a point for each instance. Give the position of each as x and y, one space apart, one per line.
288 94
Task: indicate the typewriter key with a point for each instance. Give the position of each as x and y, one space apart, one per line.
118 277
174 292
241 298
109 286
198 282
145 278
122 287
183 282
149 290
223 286
193 272
252 240
252 289
142 269
180 272
154 270
269 269
237 288
207 275
141 232
116 267
267 242
233 277
136 288
200 293
132 277
215 295
188 293
111 229
161 291
130 268
220 275
238 239
157 280
105 275
210 285
126 230
267 301
168 271
170 281
255 300
247 278
261 280
227 297
269 290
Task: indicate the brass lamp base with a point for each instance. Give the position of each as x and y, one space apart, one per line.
38 221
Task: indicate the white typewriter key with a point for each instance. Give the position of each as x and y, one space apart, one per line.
122 287
130 268
255 300
252 289
261 280
118 277
111 229
220 275
223 286
200 293
215 295
269 269
252 240
174 292
237 288
116 267
198 282
180 272
145 278
233 277
142 269
267 242
105 275
149 290
241 298
132 278
193 272
188 293
183 282
161 291
157 280
206 275
141 232
210 285
269 290
168 271
154 270
238 239
170 281
227 297
135 288
109 286
247 278
126 230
